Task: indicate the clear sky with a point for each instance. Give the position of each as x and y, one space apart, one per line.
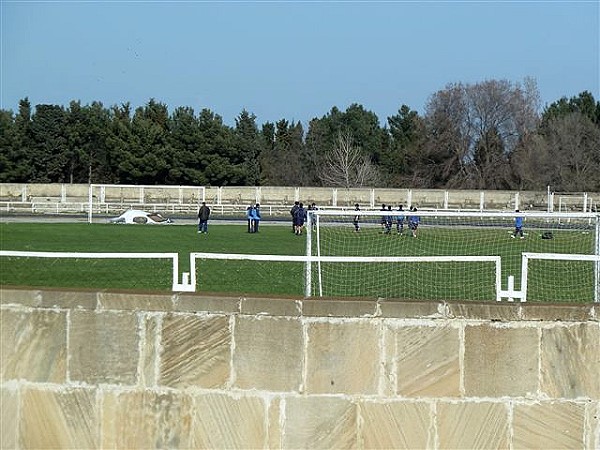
290 60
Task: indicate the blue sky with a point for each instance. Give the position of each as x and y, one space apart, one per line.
290 60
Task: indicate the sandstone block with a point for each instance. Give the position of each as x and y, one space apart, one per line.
275 430
395 424
548 425
59 419
564 313
34 345
503 312
592 432
500 361
473 425
146 419
135 302
271 307
196 351
570 361
69 300
343 357
268 353
9 413
195 303
339 308
104 347
425 360
320 422
223 421
150 350
411 310
25 297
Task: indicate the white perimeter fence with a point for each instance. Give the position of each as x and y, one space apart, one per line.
105 199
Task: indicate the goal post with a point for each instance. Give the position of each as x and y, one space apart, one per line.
443 254
113 199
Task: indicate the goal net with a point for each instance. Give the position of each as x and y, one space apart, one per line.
448 255
113 199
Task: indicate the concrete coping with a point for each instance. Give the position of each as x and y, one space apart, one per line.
349 308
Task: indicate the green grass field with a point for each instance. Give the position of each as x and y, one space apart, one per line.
437 281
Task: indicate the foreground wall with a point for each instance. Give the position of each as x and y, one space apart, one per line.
123 370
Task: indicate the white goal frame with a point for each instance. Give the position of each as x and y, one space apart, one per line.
313 217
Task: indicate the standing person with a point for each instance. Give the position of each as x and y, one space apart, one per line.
203 215
400 220
356 220
313 207
250 218
383 218
257 217
293 214
299 219
388 220
518 226
413 221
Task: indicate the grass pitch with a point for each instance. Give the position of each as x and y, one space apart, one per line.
415 281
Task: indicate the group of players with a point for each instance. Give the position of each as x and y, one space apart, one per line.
299 216
389 217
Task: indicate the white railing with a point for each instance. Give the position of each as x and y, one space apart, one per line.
174 257
189 281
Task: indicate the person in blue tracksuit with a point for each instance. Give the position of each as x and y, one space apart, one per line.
250 218
257 217
413 221
299 219
400 220
518 227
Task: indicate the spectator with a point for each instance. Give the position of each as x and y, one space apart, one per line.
203 215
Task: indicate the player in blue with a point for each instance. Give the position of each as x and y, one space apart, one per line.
413 221
299 219
518 227
388 220
399 220
383 218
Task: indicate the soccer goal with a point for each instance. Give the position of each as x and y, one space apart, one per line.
448 255
113 199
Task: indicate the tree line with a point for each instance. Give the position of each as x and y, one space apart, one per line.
486 135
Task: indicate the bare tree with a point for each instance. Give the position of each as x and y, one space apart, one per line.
478 127
573 143
346 165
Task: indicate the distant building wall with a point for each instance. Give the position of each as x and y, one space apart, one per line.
83 369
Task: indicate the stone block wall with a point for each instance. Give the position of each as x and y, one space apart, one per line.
83 369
